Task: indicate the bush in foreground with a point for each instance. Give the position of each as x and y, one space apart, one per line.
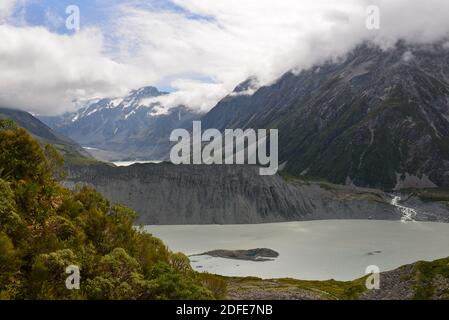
45 228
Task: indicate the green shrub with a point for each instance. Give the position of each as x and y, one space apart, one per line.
44 228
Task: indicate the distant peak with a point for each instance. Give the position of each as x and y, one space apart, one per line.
251 83
147 92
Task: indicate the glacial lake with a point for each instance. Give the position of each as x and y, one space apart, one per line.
312 250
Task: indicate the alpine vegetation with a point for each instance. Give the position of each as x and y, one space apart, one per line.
236 146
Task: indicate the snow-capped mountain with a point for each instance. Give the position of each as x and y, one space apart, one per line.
378 118
133 127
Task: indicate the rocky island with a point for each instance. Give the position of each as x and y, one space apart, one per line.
259 255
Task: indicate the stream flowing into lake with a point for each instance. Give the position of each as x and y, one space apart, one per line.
408 214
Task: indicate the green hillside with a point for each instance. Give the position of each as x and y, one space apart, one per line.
70 150
44 228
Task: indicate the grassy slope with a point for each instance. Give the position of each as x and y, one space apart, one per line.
340 191
425 281
431 195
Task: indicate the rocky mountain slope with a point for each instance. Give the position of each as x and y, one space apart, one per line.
72 152
129 128
423 280
375 118
169 194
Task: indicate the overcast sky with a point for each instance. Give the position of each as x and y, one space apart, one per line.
197 49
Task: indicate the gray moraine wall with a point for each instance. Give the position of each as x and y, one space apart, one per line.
221 194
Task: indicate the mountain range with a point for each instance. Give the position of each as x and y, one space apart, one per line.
134 127
377 118
374 118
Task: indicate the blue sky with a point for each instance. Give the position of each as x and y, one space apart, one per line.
51 14
93 12
36 11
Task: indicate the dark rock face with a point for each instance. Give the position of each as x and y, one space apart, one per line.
169 194
375 119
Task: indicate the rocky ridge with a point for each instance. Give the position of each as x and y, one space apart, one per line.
196 194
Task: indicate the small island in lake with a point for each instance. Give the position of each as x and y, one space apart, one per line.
259 255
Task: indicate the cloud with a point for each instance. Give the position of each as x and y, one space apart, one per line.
197 95
44 72
201 48
6 7
231 40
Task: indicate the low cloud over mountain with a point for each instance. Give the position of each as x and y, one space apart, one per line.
199 49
